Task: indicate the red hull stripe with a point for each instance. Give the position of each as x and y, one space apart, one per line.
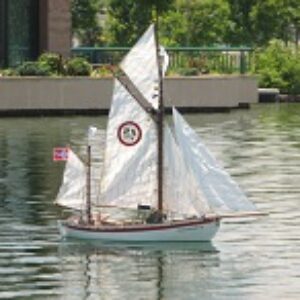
136 228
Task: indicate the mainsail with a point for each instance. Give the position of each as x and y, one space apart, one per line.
130 167
130 154
129 174
220 190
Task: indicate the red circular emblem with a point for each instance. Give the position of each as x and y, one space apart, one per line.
129 133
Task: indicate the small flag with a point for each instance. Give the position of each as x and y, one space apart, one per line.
60 154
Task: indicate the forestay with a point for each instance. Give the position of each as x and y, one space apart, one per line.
219 188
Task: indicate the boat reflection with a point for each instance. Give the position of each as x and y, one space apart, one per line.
114 270
91 245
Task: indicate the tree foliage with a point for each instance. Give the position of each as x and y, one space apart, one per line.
275 19
206 21
128 19
240 31
278 66
188 22
173 29
85 22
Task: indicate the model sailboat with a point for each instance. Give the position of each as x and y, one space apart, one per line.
158 183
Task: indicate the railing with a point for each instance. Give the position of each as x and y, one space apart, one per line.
224 60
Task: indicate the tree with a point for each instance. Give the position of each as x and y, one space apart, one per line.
276 19
85 22
188 22
255 22
196 23
173 29
241 30
127 19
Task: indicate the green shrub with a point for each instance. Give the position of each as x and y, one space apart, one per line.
78 66
102 71
278 66
53 61
33 69
291 75
188 71
9 72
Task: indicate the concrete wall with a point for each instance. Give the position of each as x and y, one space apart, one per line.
91 93
211 91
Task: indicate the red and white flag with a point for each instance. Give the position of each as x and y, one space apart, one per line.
60 154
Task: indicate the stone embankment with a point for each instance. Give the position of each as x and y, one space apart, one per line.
85 95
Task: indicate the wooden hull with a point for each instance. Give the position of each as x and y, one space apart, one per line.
179 231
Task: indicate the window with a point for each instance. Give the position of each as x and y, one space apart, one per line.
2 33
18 31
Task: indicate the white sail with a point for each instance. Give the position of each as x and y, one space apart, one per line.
140 64
182 196
129 174
72 191
130 170
219 188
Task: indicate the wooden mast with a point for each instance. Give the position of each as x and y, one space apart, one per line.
160 123
88 186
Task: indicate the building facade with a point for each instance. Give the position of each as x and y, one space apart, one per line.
31 27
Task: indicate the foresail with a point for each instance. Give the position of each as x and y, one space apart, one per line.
72 191
182 196
129 174
141 65
219 188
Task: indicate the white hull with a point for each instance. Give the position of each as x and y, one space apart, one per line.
183 231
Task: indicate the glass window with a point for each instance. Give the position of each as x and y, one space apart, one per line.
22 31
2 33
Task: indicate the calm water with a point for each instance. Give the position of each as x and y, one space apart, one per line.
254 259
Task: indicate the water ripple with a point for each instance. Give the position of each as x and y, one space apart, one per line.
255 258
